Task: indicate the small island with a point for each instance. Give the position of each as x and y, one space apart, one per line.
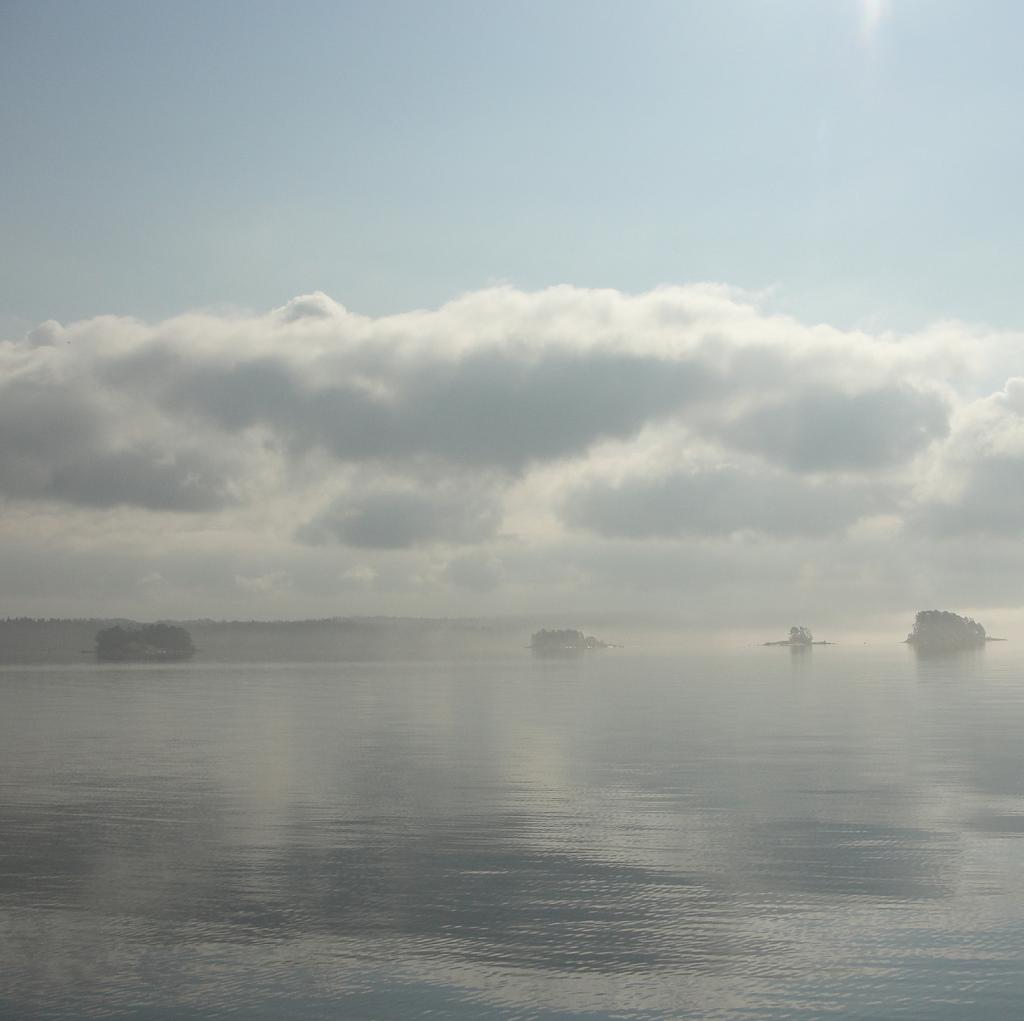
799 638
564 642
944 631
149 643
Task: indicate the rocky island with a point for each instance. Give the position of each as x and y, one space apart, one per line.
564 642
150 643
799 638
944 631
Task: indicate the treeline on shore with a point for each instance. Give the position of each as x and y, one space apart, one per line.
54 640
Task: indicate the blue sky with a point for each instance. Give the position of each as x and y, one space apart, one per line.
163 157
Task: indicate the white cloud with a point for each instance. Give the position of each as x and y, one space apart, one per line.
274 581
445 448
360 573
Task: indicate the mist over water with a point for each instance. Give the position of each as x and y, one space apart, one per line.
757 833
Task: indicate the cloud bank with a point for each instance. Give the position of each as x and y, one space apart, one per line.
524 449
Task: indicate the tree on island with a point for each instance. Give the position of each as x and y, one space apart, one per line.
564 640
150 642
940 630
799 637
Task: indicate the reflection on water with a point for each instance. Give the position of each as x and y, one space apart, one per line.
751 835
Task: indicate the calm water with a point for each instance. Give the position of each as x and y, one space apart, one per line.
754 835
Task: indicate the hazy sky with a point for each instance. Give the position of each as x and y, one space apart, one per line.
710 309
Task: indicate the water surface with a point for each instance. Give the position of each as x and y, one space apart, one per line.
755 834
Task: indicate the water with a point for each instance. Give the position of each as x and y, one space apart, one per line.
753 834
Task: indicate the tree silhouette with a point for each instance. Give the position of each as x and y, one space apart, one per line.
942 629
148 642
566 640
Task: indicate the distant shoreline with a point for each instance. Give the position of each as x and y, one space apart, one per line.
798 645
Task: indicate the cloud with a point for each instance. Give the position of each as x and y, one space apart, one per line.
552 447
477 571
825 429
311 306
991 502
360 573
720 501
491 409
977 487
56 444
499 381
274 581
403 518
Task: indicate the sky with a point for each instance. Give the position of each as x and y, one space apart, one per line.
708 311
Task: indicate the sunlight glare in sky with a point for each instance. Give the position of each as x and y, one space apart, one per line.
873 12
